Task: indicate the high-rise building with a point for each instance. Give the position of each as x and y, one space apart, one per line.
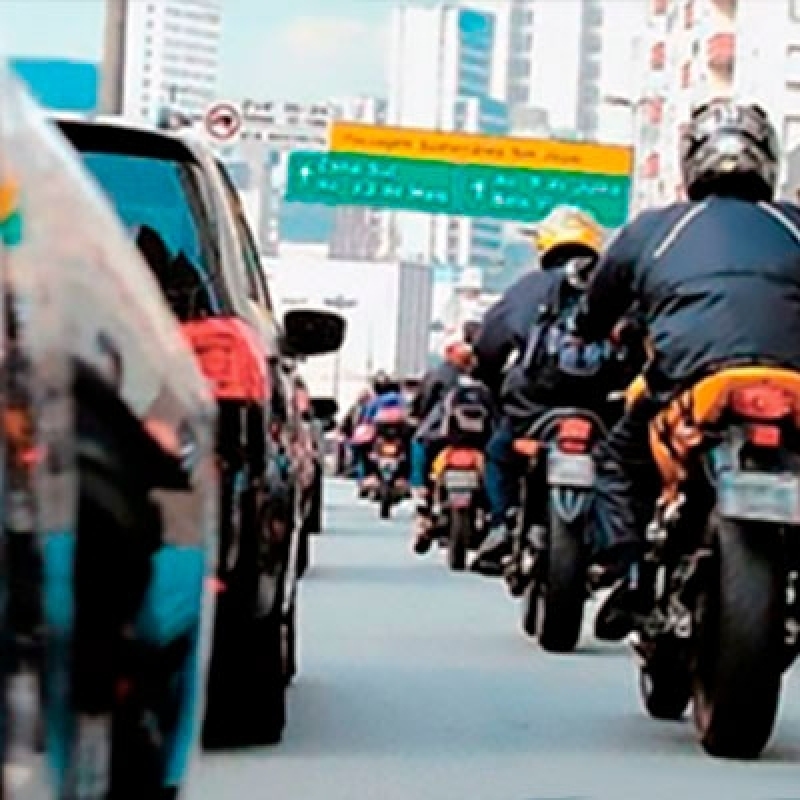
361 234
555 61
695 50
162 52
447 73
565 58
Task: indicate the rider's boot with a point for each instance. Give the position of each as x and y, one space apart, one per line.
631 599
496 550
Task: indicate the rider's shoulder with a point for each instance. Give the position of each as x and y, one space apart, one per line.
651 218
646 224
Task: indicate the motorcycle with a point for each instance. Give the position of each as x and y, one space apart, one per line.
723 557
459 495
551 546
388 458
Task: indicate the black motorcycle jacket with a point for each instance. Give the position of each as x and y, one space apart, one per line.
716 282
507 323
436 383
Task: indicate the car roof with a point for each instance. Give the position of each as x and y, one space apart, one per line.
183 144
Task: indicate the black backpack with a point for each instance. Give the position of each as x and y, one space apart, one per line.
553 361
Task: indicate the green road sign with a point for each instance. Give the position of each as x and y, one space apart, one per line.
466 190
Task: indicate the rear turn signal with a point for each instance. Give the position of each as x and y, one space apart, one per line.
231 357
526 447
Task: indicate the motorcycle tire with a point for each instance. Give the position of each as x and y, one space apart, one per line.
665 684
530 610
461 534
563 592
386 502
740 640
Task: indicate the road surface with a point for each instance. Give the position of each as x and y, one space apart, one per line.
416 684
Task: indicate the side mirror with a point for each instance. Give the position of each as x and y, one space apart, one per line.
312 333
324 408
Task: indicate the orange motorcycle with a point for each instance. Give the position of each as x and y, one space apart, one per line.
459 502
724 556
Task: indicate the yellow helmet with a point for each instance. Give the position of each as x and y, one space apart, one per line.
567 227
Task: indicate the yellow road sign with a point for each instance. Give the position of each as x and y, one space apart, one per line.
494 151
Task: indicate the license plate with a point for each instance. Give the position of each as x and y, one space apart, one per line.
566 470
461 479
460 499
760 496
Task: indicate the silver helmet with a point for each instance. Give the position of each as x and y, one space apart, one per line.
730 149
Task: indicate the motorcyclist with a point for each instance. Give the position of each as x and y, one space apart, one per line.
351 420
567 235
386 393
437 382
717 280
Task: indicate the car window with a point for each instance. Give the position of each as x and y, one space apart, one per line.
156 199
255 275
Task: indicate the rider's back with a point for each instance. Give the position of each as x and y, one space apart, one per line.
721 286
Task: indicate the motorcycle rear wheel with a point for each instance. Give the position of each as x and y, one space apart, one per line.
740 641
562 596
461 534
386 501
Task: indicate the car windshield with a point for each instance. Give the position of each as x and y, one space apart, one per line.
152 197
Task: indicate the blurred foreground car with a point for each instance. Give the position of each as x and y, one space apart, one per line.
186 216
108 427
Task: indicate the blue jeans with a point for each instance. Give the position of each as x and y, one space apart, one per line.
423 454
504 470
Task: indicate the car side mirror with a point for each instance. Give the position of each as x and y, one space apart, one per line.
324 407
312 333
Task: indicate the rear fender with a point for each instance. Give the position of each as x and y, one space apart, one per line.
570 504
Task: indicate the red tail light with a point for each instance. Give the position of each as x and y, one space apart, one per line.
389 449
574 434
761 402
765 435
231 357
462 458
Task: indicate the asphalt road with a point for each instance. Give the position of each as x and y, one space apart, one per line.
417 684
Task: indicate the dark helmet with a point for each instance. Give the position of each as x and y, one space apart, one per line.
381 382
730 149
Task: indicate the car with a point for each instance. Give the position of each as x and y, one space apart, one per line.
108 432
181 206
